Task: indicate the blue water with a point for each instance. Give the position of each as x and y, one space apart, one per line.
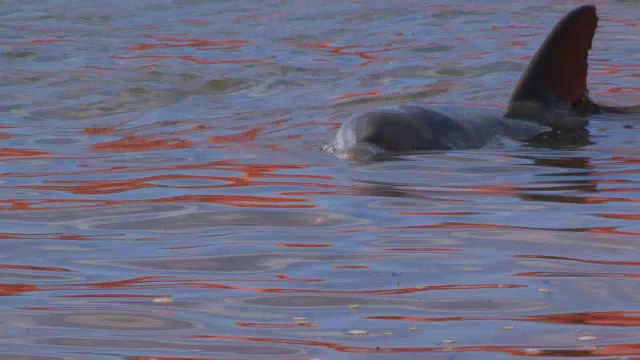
164 193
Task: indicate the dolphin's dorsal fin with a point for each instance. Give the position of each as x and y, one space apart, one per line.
556 78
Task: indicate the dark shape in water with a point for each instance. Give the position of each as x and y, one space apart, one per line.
551 96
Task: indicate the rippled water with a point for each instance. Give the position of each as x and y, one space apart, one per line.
164 194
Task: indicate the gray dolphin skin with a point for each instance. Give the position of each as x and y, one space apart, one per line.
551 95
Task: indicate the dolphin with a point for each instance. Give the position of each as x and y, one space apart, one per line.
551 95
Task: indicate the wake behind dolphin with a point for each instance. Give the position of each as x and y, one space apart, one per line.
551 94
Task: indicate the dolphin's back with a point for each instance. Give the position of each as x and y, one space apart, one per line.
413 127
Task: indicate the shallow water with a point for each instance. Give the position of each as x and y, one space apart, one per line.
164 195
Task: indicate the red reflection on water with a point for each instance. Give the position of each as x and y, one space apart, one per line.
422 249
196 22
245 136
601 262
273 326
43 236
606 318
493 106
251 170
489 189
576 274
18 205
127 283
603 350
620 216
34 268
305 245
97 187
458 225
616 90
32 42
171 358
250 175
165 42
476 55
196 60
42 308
192 59
290 279
16 289
73 237
435 213
249 201
5 135
100 131
126 296
619 21
328 48
142 143
423 319
21 152
397 291
358 94
511 27
611 230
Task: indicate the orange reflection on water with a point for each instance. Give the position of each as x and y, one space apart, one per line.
245 136
350 267
600 262
34 268
304 245
250 175
142 143
16 289
192 59
171 358
398 291
195 22
328 48
5 135
620 216
116 296
435 213
196 60
42 308
576 274
127 283
274 325
605 318
165 42
290 279
42 236
603 350
241 201
100 131
21 152
458 225
32 42
428 249
358 94
95 187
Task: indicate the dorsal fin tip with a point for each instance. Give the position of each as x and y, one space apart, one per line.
557 74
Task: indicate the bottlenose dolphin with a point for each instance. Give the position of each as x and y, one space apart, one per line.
551 95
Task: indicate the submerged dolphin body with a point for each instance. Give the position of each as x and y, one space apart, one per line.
551 94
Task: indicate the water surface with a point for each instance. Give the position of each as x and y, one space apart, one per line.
164 195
